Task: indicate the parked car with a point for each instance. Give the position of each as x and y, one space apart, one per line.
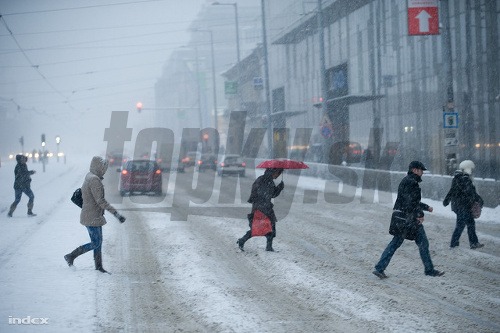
207 161
143 176
190 158
231 164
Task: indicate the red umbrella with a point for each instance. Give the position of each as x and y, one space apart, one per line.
282 164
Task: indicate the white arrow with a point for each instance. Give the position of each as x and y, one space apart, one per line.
423 21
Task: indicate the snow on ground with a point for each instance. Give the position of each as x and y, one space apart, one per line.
317 282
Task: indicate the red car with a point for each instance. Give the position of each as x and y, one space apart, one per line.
143 176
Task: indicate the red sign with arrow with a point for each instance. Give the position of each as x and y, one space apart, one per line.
423 18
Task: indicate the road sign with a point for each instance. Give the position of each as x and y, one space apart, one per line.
231 87
423 18
449 142
450 119
258 83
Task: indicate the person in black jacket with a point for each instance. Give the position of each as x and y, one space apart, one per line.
463 195
406 222
22 184
263 190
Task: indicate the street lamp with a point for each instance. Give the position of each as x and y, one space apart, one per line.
235 5
214 88
58 141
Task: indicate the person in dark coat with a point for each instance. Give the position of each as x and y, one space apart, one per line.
406 222
22 184
263 190
462 196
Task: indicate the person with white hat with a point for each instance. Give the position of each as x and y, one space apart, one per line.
463 197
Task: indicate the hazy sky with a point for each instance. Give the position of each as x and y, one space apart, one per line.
65 65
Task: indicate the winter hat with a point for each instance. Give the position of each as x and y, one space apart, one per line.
467 166
19 158
416 165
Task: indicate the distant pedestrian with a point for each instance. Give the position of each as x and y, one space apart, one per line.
263 190
92 214
22 184
406 222
463 196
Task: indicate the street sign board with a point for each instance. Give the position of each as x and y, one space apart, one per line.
423 18
258 83
450 119
231 87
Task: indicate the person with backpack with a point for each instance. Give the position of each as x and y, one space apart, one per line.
407 222
463 197
92 214
22 184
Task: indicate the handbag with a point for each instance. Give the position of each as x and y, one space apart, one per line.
77 198
476 210
261 224
403 225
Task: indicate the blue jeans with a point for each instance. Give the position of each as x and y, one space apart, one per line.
19 193
464 218
95 234
423 247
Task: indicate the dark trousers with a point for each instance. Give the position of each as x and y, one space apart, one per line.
464 218
423 247
19 193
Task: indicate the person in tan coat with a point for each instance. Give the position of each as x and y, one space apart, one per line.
92 214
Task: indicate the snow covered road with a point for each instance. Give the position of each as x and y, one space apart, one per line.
189 276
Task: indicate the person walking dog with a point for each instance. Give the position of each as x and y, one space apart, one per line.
463 196
92 214
406 222
22 184
263 190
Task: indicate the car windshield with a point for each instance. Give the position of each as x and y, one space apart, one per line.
232 159
142 166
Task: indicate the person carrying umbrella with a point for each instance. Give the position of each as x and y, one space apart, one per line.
263 190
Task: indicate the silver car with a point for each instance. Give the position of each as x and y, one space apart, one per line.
231 164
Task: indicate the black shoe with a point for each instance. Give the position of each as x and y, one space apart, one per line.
476 246
102 270
270 249
31 214
380 275
9 214
435 273
240 244
69 259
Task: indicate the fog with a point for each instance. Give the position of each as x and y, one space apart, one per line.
65 66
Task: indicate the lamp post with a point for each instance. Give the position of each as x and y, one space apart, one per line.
235 5
58 141
214 87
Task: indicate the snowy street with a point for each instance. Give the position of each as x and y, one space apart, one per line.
189 276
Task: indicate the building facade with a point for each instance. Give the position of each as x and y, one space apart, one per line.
388 97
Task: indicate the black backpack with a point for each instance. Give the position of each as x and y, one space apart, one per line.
77 197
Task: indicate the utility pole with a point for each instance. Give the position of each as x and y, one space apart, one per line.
268 92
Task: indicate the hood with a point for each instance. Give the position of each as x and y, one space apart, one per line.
19 158
98 166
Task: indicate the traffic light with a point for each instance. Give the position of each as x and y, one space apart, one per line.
43 139
21 140
139 106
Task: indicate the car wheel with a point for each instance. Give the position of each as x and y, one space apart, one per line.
122 193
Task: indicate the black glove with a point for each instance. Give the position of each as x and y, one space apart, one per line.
119 217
